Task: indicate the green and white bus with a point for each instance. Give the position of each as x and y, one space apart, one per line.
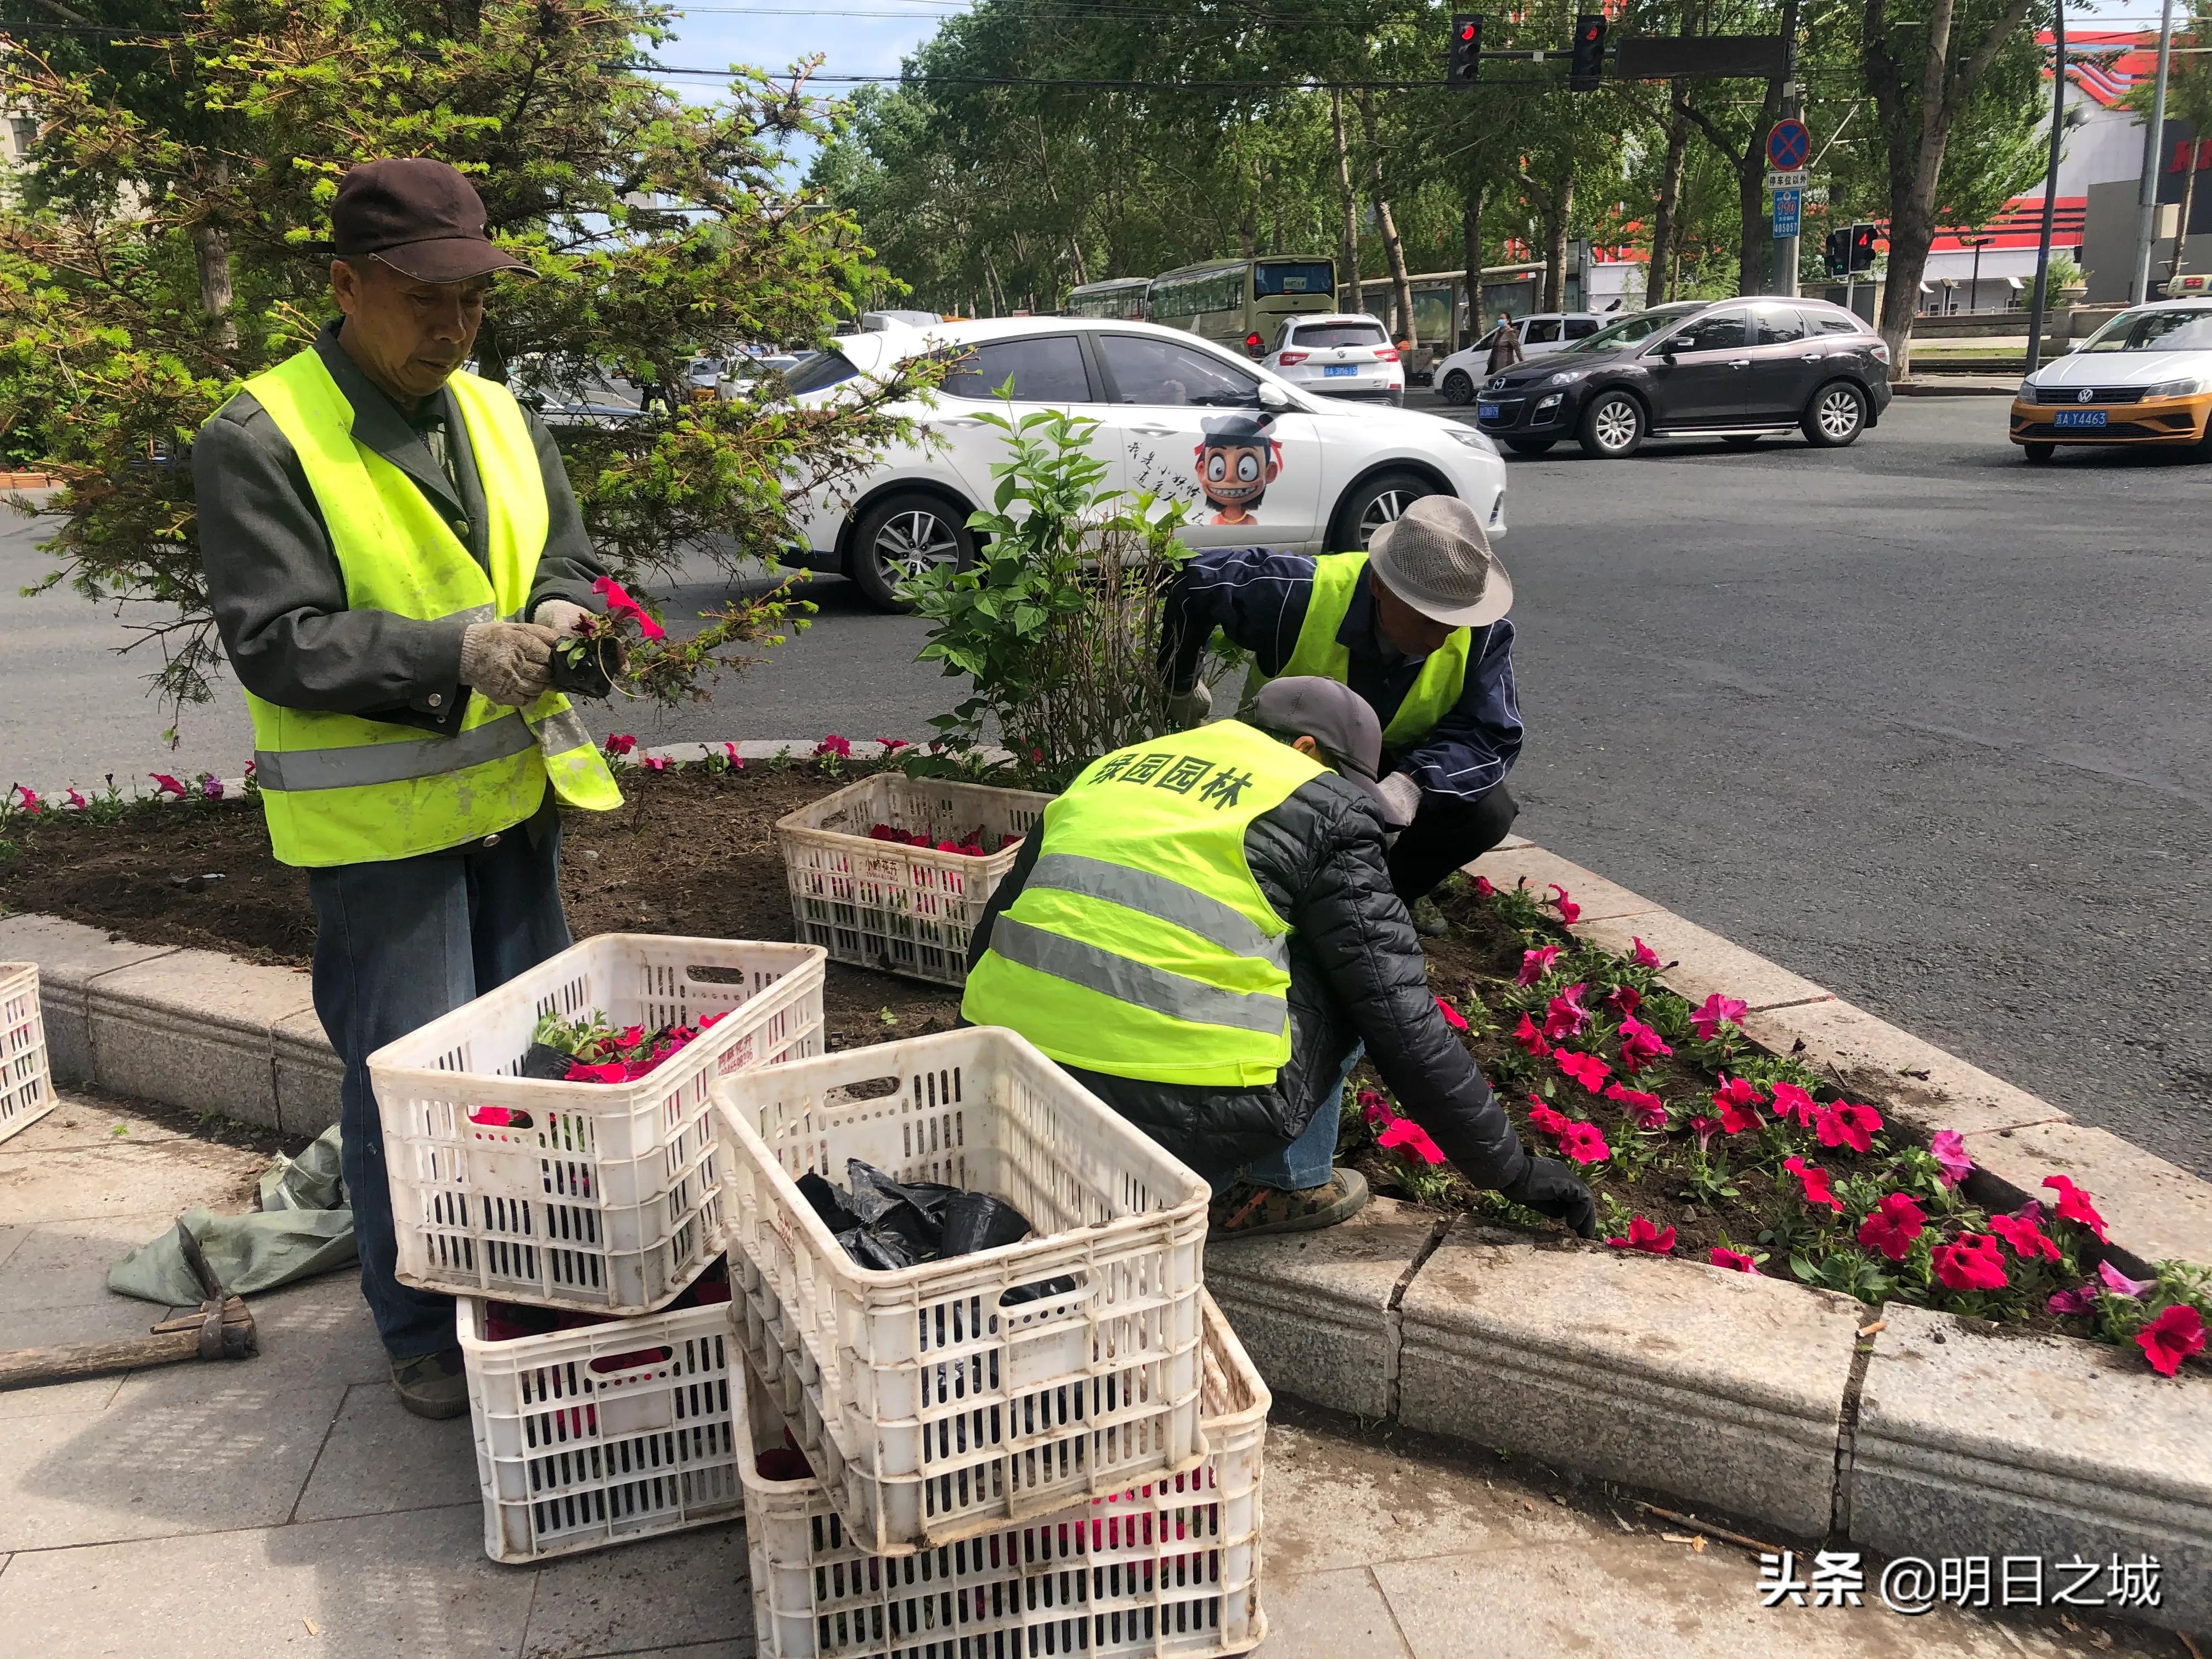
1122 298
1242 302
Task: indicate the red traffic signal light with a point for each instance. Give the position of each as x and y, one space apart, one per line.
1466 60
1586 60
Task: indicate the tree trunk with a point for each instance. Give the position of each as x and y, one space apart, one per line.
1558 207
1356 292
1394 249
1470 232
211 252
492 353
1656 288
2187 205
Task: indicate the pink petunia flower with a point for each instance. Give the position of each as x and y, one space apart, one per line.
1708 1017
1892 1224
1972 1262
1721 1256
1948 1148
1640 1045
31 803
2079 1300
893 745
2171 1338
730 752
655 763
1648 1111
1584 1143
1586 1069
1411 1142
620 743
2075 1206
1545 1119
165 785
1531 1038
1793 1105
1570 912
1484 889
612 1071
1813 1182
77 803
2027 1240
1625 1000
1376 1109
1705 1128
1535 965
1453 1018
211 786
1845 1125
2118 1282
621 606
1643 1235
834 744
1644 955
1565 1015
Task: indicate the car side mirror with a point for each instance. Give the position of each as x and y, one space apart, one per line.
1273 397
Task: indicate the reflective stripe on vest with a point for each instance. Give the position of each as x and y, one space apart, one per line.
340 789
1141 946
1435 691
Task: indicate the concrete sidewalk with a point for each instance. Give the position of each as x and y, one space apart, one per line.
288 1506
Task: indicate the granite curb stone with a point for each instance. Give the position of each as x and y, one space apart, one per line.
194 1029
1975 1441
70 956
1724 1388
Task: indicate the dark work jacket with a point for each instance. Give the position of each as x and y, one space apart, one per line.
273 578
1356 972
1258 597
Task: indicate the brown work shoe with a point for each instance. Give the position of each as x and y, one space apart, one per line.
432 1385
1246 1211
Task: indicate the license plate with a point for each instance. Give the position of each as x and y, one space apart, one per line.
2078 417
1331 371
1486 411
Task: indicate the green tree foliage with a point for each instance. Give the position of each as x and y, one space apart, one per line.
657 229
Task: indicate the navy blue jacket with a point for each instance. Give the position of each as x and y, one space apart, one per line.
1258 599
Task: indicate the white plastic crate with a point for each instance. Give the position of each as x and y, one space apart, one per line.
947 1411
906 909
1168 1567
605 1434
596 1196
27 1086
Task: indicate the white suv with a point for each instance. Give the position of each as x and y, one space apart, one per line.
1345 356
1541 332
1258 461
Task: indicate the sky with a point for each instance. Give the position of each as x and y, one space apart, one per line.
772 33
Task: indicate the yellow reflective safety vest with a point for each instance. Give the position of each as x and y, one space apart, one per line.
339 789
1435 691
1141 947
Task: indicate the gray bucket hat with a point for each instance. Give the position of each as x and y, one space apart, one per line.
1436 556
1335 717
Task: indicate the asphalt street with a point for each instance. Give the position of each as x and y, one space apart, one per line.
1923 724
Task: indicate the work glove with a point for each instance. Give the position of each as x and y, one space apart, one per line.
562 616
508 662
1549 1187
1189 709
1404 796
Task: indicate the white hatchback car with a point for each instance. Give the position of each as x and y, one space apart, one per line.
1258 461
1347 354
1456 377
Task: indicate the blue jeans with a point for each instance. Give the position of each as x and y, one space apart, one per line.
397 945
1307 1161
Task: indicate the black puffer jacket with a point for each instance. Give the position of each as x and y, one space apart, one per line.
1357 971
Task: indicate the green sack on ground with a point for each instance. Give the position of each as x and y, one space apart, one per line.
304 1227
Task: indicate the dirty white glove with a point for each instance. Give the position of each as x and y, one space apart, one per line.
508 662
1189 709
562 616
1404 796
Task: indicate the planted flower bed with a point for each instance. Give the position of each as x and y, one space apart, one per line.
1699 1144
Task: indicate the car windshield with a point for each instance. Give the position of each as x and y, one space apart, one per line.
1634 331
2175 330
1271 277
826 368
1339 334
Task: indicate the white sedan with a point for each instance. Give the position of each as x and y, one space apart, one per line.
1345 355
1259 462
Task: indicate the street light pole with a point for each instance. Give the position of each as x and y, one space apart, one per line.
2049 184
2154 143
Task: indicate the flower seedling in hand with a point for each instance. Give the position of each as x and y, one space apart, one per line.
586 661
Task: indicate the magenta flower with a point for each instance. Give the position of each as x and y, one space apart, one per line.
1643 1235
1973 1262
655 763
1586 1069
1640 1045
834 744
1453 1018
730 752
1891 1226
893 745
1709 1015
30 797
1529 1038
1570 912
1948 1148
2118 1282
1845 1125
1793 1105
1626 1000
1739 1102
2027 1239
622 607
2080 1300
1535 965
1645 956
1721 1256
1649 1111
1545 1121
1565 1015
1376 1109
1411 1142
2171 1338
1584 1143
1705 1128
1483 889
211 786
77 803
620 743
1813 1182
165 785
2075 1206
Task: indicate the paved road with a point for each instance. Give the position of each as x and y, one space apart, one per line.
1923 724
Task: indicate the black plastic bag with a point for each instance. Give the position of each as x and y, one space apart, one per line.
885 1224
544 1061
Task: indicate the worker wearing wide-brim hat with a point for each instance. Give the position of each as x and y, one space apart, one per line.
391 549
1417 625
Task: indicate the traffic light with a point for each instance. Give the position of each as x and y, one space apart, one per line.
1466 60
1836 250
1862 254
1849 249
1586 62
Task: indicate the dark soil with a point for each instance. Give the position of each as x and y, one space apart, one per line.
692 851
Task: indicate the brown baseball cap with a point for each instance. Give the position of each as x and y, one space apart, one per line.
422 218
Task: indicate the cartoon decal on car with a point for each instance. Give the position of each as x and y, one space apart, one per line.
1236 462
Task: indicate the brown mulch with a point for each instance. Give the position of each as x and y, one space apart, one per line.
690 853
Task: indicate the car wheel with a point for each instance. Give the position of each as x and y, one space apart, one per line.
902 535
2038 455
1612 426
1529 446
1457 388
1836 415
1368 506
1398 399
1742 439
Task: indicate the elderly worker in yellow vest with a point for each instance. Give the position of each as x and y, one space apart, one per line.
1203 932
391 549
1417 626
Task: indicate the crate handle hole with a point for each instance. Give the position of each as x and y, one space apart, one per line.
1063 1288
700 973
499 1117
874 1087
640 1359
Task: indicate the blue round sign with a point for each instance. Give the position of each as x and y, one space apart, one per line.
1787 145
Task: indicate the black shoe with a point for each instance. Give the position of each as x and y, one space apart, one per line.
432 1385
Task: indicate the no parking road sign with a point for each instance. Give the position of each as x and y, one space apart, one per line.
1789 146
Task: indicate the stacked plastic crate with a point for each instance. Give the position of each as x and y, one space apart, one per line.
601 1202
1053 1446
